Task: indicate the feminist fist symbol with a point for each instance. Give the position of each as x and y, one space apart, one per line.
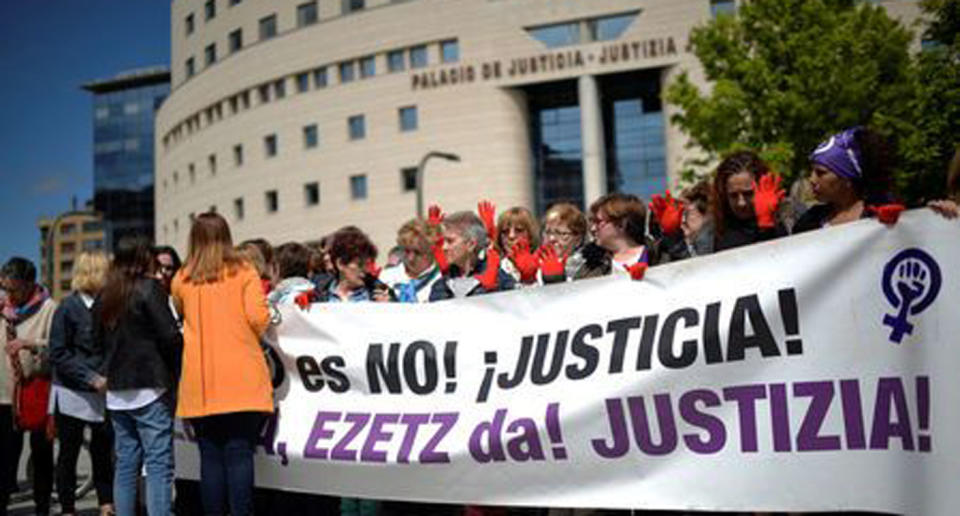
911 281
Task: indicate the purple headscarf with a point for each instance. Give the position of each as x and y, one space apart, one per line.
841 154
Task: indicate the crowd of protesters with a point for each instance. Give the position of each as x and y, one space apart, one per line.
143 339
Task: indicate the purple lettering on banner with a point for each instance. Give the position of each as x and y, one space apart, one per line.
340 451
525 446
618 428
746 397
890 394
319 433
641 425
369 452
430 455
716 433
821 396
779 417
492 429
413 422
852 414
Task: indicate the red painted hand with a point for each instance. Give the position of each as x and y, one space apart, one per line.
887 213
372 269
488 211
525 261
489 276
434 215
766 197
668 212
550 263
637 271
439 256
304 299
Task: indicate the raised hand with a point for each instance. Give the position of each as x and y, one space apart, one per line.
525 261
439 256
488 211
489 276
550 263
434 215
637 270
668 212
766 198
887 213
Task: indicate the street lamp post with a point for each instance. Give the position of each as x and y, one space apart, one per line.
420 169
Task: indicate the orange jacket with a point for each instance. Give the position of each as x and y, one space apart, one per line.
223 365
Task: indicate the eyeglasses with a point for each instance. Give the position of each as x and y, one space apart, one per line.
598 222
555 233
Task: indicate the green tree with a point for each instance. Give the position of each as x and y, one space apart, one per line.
931 131
787 73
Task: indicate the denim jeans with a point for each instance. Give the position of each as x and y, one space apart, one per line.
144 434
226 444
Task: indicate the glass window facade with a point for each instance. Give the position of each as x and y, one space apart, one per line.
358 187
238 208
349 6
188 24
610 27
123 161
356 127
189 68
272 201
559 35
280 88
450 51
238 155
718 7
396 61
268 27
236 40
418 56
311 136
368 67
408 179
311 194
576 32
303 82
306 14
347 72
210 54
408 118
320 78
209 10
270 145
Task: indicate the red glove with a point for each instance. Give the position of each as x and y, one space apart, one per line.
489 278
434 215
668 212
766 197
488 212
887 213
525 261
637 271
550 263
372 269
439 256
304 299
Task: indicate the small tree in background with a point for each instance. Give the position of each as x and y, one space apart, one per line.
787 73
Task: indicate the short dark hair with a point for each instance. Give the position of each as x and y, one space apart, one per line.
165 249
293 260
350 243
19 268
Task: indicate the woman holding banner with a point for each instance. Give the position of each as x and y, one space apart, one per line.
746 197
225 389
620 246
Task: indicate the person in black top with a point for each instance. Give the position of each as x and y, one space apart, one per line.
735 217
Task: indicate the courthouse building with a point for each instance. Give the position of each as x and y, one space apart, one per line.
293 118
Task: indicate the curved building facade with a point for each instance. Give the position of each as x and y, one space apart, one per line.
293 118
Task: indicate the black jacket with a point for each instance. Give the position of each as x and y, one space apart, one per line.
73 355
740 233
143 351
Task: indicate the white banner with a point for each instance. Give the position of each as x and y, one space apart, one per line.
815 372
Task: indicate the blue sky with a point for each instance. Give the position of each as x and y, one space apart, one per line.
48 49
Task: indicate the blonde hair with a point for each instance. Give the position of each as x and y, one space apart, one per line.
521 217
415 233
251 253
90 272
568 213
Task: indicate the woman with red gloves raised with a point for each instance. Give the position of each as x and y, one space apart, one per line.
564 234
517 237
468 265
686 223
619 244
850 177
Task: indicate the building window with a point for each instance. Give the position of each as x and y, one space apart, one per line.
610 27
176 178
349 6
418 56
233 104
268 27
66 267
235 2
68 247
408 118
358 187
95 245
311 137
189 68
306 14
408 179
346 72
238 155
273 202
68 229
303 82
238 208
396 61
357 127
90 227
311 193
212 163
210 54
368 67
558 35
718 7
270 145
450 51
320 77
264 93
245 99
280 88
209 10
192 173
236 40
188 24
